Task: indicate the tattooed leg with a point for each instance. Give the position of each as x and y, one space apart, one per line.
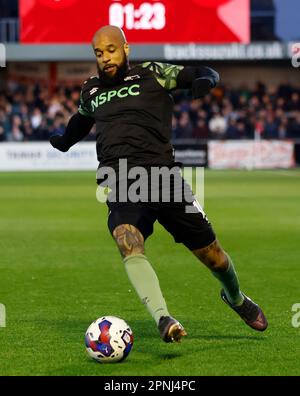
213 256
129 239
218 261
140 272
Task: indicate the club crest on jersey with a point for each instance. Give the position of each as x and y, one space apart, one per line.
131 78
92 91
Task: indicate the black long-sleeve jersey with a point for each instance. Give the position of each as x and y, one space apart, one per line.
134 119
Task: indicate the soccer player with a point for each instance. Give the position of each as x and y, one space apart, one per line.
132 109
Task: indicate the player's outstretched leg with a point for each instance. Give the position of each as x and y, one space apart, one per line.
144 280
219 262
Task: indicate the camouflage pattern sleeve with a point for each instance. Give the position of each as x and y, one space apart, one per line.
86 91
165 73
82 109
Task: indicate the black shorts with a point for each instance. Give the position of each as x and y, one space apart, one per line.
191 229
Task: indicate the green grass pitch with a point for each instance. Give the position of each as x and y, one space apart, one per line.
60 270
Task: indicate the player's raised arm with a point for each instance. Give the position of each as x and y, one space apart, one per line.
200 79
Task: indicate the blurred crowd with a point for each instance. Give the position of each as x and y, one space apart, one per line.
29 112
265 111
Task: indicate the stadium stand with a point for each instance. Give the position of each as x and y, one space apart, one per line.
31 113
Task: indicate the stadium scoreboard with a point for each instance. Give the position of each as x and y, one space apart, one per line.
143 21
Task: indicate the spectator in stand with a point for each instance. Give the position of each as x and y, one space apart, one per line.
241 129
283 128
236 129
28 131
43 131
55 106
284 90
270 128
174 126
16 103
232 129
4 125
16 133
58 124
201 130
184 127
2 134
295 126
36 118
24 112
294 102
217 126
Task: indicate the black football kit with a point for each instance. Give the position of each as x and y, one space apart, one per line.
133 122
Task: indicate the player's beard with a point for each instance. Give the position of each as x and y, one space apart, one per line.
117 78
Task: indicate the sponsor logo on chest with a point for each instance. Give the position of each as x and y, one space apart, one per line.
104 97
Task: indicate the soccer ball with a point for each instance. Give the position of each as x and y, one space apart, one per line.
108 339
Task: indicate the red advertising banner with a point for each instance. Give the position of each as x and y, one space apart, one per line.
143 21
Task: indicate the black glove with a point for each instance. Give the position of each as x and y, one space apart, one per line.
58 142
201 79
201 87
78 128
